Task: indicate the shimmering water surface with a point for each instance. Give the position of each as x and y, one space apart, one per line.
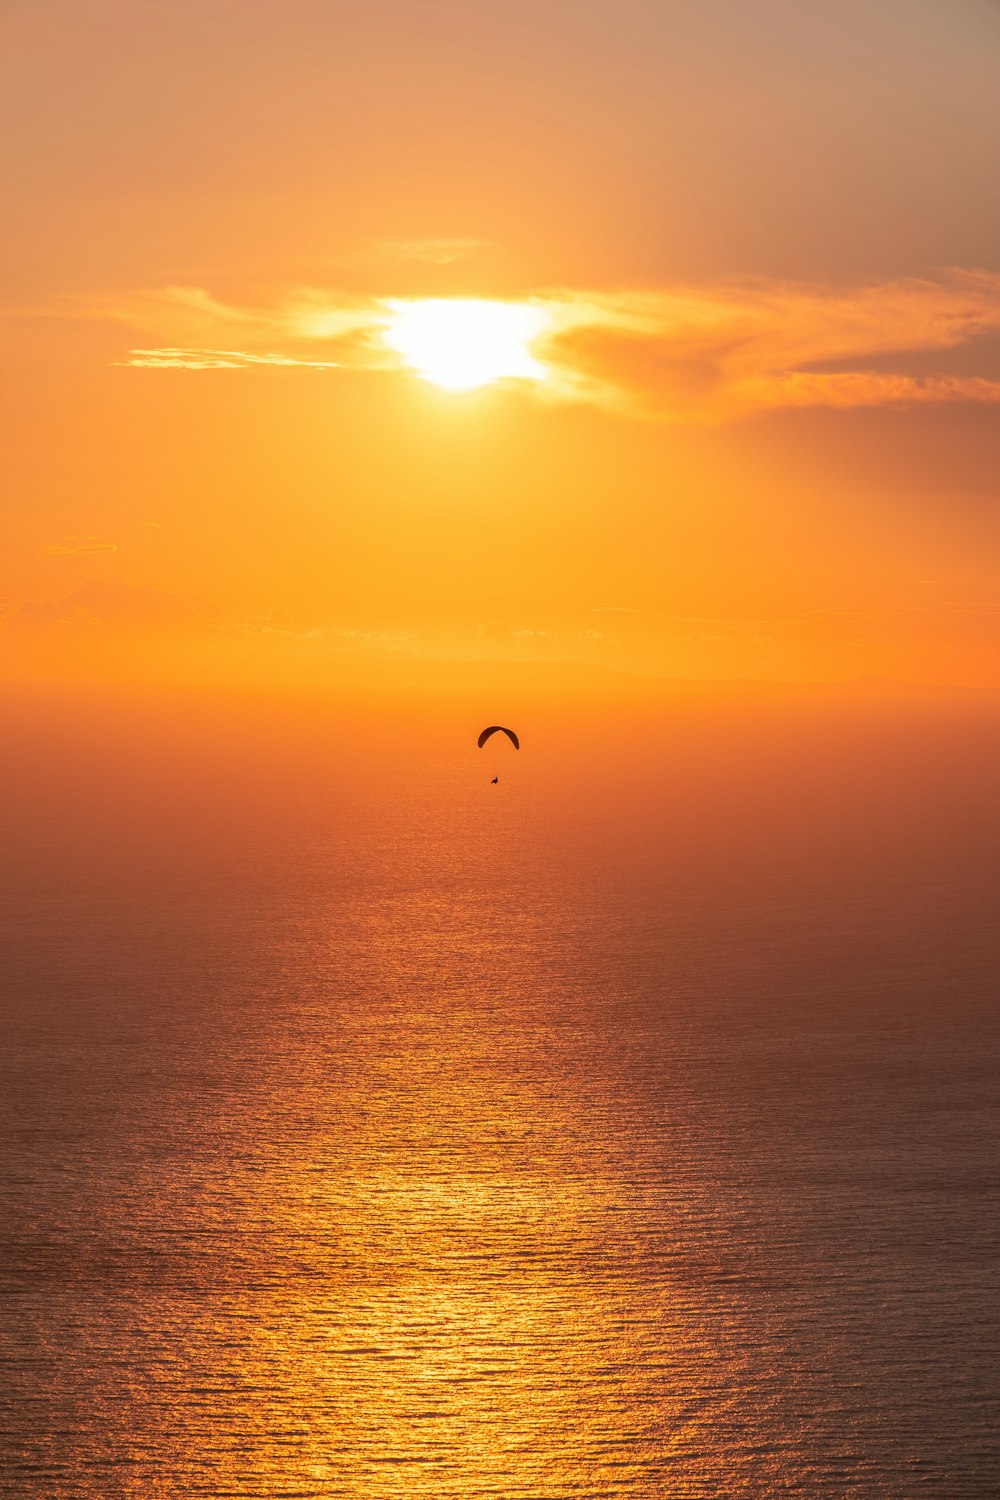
622 1130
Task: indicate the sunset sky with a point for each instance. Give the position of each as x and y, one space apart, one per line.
736 264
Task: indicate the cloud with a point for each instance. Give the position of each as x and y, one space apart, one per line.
717 353
75 544
686 353
115 605
110 607
213 359
870 388
433 252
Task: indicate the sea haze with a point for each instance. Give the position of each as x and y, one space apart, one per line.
625 1129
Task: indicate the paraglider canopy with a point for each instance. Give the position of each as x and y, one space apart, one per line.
499 729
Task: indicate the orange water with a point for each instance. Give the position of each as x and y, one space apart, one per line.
625 1129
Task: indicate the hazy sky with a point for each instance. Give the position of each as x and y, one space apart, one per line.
760 238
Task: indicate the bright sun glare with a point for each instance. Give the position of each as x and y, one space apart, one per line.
463 343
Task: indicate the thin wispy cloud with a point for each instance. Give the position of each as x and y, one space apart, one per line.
432 252
215 359
71 545
680 354
113 606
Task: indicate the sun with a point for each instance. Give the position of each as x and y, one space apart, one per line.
461 343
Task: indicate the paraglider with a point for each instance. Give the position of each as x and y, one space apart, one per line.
499 729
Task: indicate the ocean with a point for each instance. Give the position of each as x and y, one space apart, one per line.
628 1128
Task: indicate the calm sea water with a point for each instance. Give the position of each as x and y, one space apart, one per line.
626 1129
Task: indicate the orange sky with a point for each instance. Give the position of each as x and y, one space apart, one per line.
764 241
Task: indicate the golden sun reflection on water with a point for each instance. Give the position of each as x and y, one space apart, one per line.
484 1335
485 1297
